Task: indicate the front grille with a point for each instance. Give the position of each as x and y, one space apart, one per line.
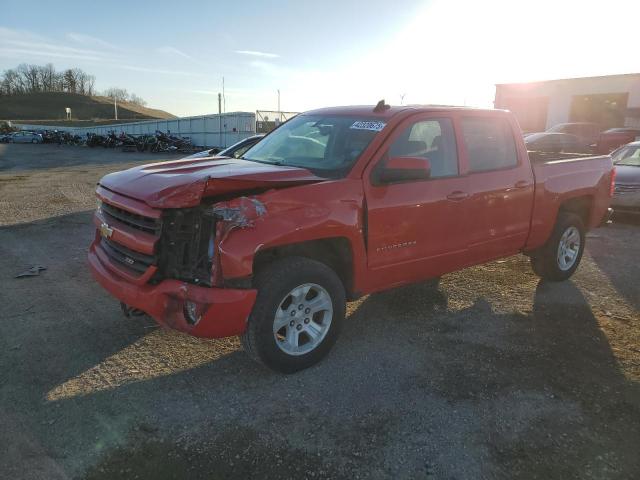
139 262
184 249
139 222
622 188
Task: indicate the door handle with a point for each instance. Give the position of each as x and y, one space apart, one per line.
521 184
457 196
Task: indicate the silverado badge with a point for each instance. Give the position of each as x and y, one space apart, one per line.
105 230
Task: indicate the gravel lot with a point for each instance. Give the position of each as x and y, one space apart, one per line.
490 374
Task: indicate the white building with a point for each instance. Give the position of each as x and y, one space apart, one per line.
612 101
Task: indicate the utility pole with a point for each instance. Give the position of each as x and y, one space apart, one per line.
115 105
224 110
219 120
278 103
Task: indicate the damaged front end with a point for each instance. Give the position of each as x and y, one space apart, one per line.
188 246
166 263
160 237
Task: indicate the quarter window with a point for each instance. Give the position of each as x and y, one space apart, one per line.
490 144
431 139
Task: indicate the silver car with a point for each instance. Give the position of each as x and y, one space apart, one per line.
25 137
626 198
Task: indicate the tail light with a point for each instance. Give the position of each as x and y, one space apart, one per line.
612 187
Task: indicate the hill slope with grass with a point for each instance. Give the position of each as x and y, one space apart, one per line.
51 106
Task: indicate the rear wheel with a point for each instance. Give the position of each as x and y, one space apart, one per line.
561 255
297 315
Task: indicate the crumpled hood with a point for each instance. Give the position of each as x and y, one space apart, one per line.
183 183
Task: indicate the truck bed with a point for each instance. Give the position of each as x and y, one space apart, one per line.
543 157
563 177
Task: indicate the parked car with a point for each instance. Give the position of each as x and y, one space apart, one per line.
611 139
5 137
587 132
626 198
556 143
235 151
335 204
25 137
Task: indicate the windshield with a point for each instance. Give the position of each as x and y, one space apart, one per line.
326 145
562 127
534 137
629 155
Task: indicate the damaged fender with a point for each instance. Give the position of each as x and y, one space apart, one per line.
284 217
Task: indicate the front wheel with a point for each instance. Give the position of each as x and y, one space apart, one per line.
297 315
561 255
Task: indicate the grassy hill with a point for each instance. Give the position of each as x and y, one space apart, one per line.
51 106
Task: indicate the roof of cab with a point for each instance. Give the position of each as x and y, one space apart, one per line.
368 110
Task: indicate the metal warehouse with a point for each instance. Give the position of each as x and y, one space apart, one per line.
612 101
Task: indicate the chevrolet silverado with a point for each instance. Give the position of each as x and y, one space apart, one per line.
334 204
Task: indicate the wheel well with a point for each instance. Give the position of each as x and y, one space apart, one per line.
581 206
334 252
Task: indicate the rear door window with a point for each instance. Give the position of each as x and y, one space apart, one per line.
490 144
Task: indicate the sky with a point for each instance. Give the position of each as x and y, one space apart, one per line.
321 53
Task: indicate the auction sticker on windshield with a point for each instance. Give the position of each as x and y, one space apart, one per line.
373 126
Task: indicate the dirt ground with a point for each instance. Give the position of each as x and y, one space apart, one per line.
490 374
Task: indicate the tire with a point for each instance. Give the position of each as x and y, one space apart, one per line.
277 286
549 263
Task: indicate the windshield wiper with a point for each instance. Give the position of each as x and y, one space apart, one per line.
277 162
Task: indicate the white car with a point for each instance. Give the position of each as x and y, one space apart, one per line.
25 137
626 198
234 151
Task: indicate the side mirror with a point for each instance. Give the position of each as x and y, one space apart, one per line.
404 169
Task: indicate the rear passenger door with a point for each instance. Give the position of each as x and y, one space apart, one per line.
501 186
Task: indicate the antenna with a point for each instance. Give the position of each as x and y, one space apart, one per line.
381 107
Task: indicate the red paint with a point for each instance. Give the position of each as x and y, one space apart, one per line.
184 183
225 310
398 233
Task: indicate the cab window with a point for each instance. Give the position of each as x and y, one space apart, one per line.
433 140
490 144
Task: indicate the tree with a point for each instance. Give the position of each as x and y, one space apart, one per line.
26 78
119 94
10 84
70 80
135 99
47 77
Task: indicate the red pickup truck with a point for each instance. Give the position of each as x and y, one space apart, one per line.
334 204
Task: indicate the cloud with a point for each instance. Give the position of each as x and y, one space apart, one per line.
24 44
174 52
255 53
89 40
136 68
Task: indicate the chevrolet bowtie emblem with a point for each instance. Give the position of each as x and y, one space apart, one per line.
105 230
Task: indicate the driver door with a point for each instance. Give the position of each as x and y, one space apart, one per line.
417 229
